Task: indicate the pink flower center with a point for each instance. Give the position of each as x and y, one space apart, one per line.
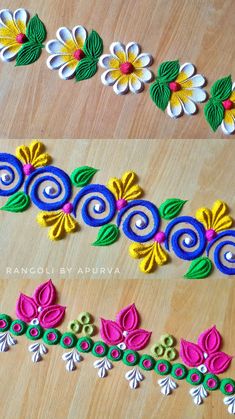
79 54
127 68
21 38
229 388
227 104
178 372
211 383
16 327
115 353
84 345
121 203
28 169
67 340
147 363
33 332
160 237
68 208
2 323
210 234
130 358
162 367
99 349
51 336
194 377
174 86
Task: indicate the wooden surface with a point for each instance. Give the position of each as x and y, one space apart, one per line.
194 170
34 101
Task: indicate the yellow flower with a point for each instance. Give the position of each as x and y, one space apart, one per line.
12 32
215 219
152 254
125 189
61 222
32 156
228 123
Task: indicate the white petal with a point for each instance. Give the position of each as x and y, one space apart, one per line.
145 75
174 111
198 95
22 16
197 81
67 71
5 16
54 47
64 35
109 77
188 69
109 61
121 87
143 60
118 49
228 128
79 35
135 85
233 86
189 107
55 61
10 52
132 51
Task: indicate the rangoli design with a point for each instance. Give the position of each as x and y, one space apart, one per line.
206 240
120 340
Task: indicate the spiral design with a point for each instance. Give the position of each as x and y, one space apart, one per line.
57 179
12 168
107 197
128 222
180 247
220 256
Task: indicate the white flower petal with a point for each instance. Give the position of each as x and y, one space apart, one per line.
54 47
65 36
10 52
144 75
56 61
67 71
118 49
21 18
109 61
233 86
6 16
135 84
197 81
188 69
189 107
109 77
143 60
197 94
228 128
121 87
132 51
174 110
79 35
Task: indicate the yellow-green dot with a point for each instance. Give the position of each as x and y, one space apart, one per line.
167 340
89 329
74 326
85 318
157 350
171 354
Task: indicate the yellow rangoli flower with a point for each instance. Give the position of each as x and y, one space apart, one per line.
125 189
61 222
152 254
228 123
32 156
12 32
215 219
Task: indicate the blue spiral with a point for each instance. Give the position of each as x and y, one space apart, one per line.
85 210
62 186
10 165
127 223
197 238
218 256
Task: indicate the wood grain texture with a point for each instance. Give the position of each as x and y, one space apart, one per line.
34 101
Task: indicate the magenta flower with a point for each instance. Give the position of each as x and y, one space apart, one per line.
123 332
41 308
205 355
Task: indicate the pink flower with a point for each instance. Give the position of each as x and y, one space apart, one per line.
40 309
205 354
123 332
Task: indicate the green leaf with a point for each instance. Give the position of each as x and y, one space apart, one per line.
86 68
171 208
108 234
214 113
18 202
28 53
93 46
36 31
169 70
83 175
222 88
160 94
199 268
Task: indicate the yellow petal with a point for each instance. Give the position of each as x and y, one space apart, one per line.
232 97
8 33
220 219
116 187
57 231
204 215
228 117
70 224
23 154
139 250
48 218
148 264
184 94
181 77
133 193
130 189
160 254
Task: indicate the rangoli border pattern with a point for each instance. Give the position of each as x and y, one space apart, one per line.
120 340
117 209
75 53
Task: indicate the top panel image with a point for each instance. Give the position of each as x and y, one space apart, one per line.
117 69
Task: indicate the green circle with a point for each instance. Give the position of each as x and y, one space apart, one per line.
171 354
120 353
74 326
49 341
71 337
167 341
211 377
174 369
7 319
89 329
23 326
147 358
39 330
88 341
163 370
191 374
84 318
223 384
133 356
97 345
157 350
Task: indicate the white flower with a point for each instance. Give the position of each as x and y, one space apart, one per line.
228 123
126 68
67 51
185 91
12 32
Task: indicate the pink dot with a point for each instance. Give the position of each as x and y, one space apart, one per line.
174 86
130 358
121 203
211 383
162 367
115 353
3 323
160 237
147 363
51 336
127 68
229 388
17 327
227 104
99 349
21 38
194 377
79 54
84 345
67 340
33 332
178 372
28 169
68 208
210 234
